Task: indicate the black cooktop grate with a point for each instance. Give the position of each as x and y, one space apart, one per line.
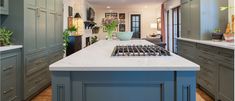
140 50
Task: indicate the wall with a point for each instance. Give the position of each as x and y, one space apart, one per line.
231 11
79 6
148 15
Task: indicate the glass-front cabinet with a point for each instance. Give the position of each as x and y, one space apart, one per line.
4 7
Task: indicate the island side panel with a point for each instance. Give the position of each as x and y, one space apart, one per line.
186 86
61 86
122 86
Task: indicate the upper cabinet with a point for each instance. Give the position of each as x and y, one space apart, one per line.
199 18
4 7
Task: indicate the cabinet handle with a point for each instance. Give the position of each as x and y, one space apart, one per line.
33 8
53 13
7 91
8 68
13 98
38 12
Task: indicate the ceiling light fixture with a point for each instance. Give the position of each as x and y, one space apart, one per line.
108 7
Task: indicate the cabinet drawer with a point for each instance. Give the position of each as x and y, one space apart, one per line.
226 56
56 56
36 82
207 48
8 67
35 63
9 93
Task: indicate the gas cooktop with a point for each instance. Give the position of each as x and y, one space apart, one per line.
140 50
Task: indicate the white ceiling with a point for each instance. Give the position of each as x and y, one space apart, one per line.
124 3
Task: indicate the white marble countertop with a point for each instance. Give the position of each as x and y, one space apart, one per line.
10 47
97 57
221 44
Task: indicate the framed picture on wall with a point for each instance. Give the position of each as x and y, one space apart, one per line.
121 15
159 23
107 15
114 15
122 27
70 11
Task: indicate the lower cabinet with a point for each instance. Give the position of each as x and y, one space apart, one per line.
36 74
226 83
10 75
216 75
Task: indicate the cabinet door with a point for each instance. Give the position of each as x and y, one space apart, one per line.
185 19
59 29
226 83
59 22
30 29
51 34
32 3
4 7
41 32
51 5
42 4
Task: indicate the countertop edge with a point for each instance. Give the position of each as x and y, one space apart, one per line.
207 43
72 69
10 47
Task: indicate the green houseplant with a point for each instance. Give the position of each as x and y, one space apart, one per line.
5 36
110 24
66 35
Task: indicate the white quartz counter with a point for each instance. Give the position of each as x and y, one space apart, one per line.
97 57
10 47
221 44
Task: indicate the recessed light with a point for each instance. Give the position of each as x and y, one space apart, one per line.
108 7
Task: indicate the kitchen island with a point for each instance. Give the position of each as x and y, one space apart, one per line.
92 74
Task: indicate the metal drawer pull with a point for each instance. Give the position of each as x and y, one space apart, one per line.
7 91
53 13
13 98
8 68
32 8
39 62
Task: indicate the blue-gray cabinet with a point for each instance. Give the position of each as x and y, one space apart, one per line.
199 18
10 75
4 7
124 85
38 26
216 76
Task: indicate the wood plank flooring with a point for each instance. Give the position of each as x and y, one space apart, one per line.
46 95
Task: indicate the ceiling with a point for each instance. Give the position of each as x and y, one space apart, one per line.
124 3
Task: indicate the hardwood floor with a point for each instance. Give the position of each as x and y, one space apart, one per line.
46 95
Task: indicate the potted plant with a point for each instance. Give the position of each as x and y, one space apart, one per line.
72 30
110 25
5 36
217 35
68 32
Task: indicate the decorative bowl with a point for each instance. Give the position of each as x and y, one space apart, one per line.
124 36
